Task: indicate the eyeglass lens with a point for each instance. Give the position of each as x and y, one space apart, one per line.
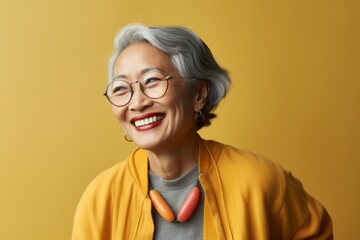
153 84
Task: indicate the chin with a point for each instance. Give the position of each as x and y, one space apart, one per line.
148 147
146 144
153 142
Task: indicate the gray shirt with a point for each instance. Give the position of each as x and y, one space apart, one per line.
174 193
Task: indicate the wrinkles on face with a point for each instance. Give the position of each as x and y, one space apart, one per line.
176 106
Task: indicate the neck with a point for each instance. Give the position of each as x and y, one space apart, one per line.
173 162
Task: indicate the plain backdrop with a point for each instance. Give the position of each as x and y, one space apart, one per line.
295 67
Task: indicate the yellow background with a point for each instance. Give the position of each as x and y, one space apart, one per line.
295 67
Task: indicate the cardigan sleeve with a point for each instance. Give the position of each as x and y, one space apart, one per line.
91 220
82 226
300 215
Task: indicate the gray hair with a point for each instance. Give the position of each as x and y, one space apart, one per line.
188 54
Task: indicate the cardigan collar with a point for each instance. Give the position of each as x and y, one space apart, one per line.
138 162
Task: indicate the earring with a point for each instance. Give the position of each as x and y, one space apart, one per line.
126 138
199 116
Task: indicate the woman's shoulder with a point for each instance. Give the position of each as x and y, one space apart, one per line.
109 175
107 181
241 159
249 169
250 173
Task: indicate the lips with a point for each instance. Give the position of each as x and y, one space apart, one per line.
147 121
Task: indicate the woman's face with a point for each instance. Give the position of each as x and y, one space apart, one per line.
171 116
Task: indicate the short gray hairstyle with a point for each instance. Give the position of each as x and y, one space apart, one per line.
188 54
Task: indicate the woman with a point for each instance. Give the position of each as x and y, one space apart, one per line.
164 85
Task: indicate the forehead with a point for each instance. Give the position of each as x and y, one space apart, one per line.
137 58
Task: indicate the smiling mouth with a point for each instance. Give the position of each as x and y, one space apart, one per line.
148 120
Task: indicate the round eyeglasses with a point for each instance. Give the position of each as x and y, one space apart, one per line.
153 84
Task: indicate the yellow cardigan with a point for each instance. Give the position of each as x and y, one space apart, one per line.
246 197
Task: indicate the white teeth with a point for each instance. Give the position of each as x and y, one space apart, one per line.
149 120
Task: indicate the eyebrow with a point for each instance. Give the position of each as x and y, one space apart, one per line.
145 70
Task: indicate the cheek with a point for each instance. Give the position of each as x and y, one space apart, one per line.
181 98
118 113
184 109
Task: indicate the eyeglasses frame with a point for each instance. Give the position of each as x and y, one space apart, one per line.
166 78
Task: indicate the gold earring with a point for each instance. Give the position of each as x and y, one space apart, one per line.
126 138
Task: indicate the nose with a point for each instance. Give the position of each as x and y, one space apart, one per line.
139 102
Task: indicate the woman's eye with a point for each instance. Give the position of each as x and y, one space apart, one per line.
119 90
151 81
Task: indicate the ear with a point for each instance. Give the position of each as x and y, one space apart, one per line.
200 96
